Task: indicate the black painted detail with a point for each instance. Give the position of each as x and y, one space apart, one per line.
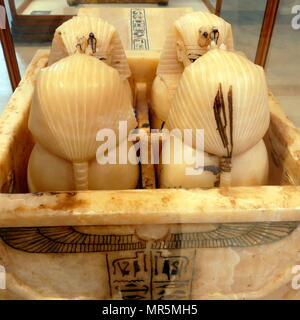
66 240
69 240
139 33
230 235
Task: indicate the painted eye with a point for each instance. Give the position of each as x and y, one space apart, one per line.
102 58
214 34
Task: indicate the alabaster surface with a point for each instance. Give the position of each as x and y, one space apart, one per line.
226 96
227 243
215 272
222 88
191 36
92 36
48 172
135 25
250 168
74 99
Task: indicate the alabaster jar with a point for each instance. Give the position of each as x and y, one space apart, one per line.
74 100
190 37
185 170
92 36
47 172
226 95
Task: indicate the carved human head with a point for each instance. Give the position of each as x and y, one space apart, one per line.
191 36
92 36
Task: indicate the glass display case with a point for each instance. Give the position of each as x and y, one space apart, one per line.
253 26
77 221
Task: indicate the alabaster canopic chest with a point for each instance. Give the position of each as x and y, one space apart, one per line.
148 242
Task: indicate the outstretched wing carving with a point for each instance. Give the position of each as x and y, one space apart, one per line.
230 235
66 240
69 240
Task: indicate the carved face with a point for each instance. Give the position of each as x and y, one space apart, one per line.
192 44
91 36
191 36
93 47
